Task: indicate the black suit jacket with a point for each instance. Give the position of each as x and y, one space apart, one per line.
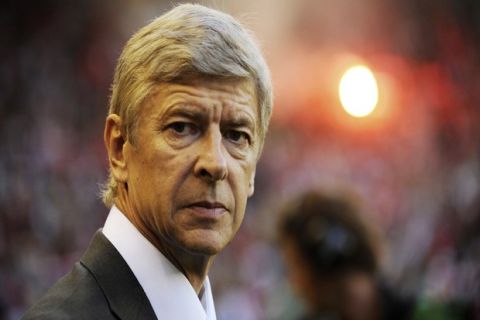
100 286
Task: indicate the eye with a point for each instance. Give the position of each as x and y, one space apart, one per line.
238 137
182 128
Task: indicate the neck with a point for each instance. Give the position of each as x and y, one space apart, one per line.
195 267
351 296
361 297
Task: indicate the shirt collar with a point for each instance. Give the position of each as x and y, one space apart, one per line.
168 290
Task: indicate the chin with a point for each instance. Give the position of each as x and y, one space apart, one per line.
203 250
204 243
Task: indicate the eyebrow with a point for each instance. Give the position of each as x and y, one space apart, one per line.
238 117
185 110
241 119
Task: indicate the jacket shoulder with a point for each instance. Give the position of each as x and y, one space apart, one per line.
75 296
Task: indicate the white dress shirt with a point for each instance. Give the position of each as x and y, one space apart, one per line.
168 290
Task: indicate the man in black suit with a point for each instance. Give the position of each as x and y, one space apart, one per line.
190 106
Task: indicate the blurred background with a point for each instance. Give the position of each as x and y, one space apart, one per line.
415 159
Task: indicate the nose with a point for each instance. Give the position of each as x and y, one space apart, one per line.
211 164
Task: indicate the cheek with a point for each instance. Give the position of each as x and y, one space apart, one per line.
238 219
247 170
242 180
165 169
240 183
153 180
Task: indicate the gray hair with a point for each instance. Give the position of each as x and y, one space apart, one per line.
186 42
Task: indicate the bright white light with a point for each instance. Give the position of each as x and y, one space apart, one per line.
358 91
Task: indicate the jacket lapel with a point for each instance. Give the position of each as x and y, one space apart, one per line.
124 294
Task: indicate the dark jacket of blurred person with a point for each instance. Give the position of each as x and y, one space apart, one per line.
332 256
191 102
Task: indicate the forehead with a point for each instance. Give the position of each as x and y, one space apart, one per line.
205 95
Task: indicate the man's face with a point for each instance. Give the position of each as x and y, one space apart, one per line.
191 166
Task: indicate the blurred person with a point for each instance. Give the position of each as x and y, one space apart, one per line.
333 260
333 256
190 106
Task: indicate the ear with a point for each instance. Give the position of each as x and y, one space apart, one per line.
115 142
251 184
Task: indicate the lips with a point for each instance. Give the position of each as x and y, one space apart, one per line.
208 205
207 209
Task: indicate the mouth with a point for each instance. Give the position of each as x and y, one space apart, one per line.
208 205
207 209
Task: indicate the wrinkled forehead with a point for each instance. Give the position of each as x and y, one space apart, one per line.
240 90
206 94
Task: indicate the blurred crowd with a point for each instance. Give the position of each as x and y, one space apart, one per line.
415 162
